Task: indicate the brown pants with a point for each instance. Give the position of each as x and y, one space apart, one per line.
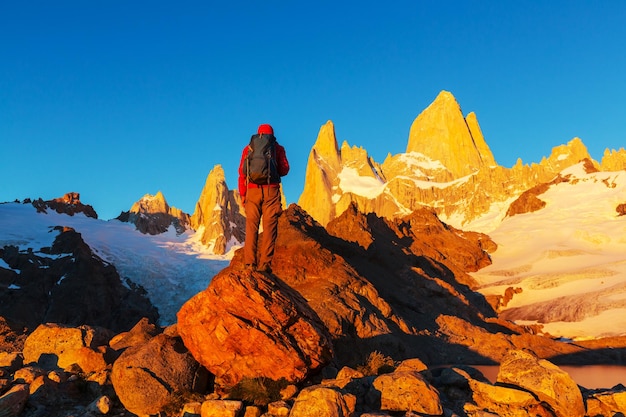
263 202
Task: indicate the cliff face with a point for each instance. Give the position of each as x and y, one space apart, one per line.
219 214
447 166
327 168
152 215
442 133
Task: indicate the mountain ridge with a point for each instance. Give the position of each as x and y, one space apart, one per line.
343 178
447 166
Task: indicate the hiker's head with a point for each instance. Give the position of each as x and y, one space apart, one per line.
265 130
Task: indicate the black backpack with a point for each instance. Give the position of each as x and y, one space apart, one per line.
260 167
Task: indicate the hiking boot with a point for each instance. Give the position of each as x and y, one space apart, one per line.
264 268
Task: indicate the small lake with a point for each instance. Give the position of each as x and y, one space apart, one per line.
588 376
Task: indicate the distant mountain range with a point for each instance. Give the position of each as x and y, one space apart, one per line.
557 224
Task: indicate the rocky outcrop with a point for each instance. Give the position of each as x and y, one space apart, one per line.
249 325
152 215
69 204
68 284
606 402
529 201
613 160
58 375
158 376
447 166
219 215
401 288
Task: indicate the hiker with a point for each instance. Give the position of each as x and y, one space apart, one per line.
263 162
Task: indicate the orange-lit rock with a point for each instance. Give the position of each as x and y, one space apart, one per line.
149 376
66 346
253 325
545 380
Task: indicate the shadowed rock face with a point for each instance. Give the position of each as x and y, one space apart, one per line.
70 285
399 287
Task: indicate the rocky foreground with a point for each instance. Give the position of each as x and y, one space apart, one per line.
87 371
363 317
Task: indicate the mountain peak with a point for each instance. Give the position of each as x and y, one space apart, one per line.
443 134
563 156
220 213
151 204
326 146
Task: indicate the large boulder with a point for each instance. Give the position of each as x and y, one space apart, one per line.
407 391
545 380
253 325
52 345
150 376
500 400
323 401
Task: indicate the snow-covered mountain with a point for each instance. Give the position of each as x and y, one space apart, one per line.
565 254
561 257
566 262
447 166
171 267
218 221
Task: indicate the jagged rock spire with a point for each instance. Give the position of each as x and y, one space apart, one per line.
321 177
219 213
152 215
443 134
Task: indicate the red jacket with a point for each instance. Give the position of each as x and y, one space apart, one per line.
282 166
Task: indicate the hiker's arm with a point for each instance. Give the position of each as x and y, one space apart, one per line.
241 184
283 164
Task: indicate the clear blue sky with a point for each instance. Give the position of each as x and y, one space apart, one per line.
117 99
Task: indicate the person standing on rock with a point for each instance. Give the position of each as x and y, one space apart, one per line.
263 163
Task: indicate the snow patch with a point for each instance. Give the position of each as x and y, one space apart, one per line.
418 160
5 265
351 182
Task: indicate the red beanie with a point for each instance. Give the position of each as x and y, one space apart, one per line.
265 130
